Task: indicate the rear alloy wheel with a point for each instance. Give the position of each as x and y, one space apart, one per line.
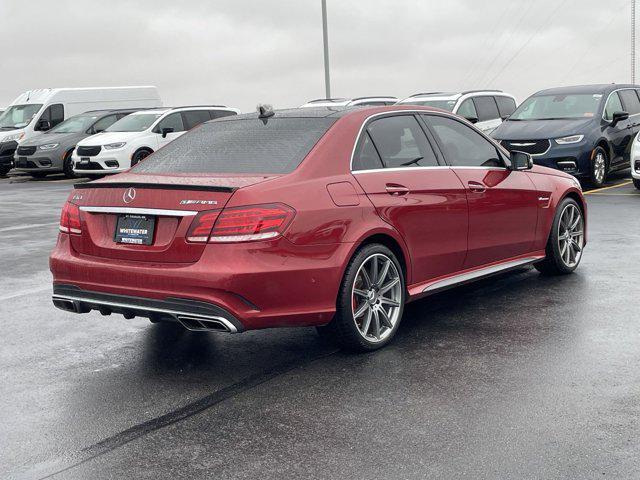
67 166
566 241
599 165
370 302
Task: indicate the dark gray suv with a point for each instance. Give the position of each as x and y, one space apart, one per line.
51 151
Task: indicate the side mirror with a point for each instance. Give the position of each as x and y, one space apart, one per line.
43 125
618 117
166 131
520 161
472 119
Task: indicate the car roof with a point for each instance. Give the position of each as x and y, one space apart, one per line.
454 95
333 112
604 88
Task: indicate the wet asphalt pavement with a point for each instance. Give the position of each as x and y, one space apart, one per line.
518 376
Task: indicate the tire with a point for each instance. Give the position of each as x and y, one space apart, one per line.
67 166
636 183
38 174
565 245
4 171
379 318
140 155
599 167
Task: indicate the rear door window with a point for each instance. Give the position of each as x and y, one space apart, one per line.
239 145
506 105
630 101
613 105
486 108
462 145
192 118
401 142
366 156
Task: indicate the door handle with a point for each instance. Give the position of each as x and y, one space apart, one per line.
476 187
395 189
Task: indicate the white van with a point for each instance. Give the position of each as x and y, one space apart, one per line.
36 111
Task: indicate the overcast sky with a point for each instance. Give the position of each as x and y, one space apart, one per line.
242 52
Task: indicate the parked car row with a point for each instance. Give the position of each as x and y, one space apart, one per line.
91 131
587 131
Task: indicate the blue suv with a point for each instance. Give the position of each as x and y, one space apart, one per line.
585 130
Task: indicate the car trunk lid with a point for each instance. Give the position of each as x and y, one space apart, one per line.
172 202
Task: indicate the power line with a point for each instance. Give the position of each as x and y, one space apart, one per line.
505 43
528 41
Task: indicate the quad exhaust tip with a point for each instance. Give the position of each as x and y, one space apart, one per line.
200 324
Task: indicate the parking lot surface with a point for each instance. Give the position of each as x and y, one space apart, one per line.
517 376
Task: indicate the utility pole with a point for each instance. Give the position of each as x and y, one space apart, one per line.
633 41
325 39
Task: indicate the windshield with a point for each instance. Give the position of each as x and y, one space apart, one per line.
136 122
442 104
18 116
551 107
248 145
77 124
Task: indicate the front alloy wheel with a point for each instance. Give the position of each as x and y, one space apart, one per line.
599 167
370 301
566 240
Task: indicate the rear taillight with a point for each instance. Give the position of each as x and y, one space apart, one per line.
70 219
201 227
241 224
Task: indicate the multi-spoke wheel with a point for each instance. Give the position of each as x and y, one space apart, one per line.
599 164
370 302
566 241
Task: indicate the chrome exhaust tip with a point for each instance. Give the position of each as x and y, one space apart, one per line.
201 324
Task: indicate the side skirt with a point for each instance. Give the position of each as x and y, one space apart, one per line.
471 275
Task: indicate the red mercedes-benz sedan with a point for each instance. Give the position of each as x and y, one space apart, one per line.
312 217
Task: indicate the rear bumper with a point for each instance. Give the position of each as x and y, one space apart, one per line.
259 284
192 314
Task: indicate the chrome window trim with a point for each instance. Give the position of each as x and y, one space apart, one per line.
140 211
439 167
366 120
419 112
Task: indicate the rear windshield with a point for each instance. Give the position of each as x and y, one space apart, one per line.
251 145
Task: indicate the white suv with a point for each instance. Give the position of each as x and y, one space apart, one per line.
487 109
351 102
138 135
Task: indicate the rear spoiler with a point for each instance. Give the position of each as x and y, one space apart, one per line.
157 186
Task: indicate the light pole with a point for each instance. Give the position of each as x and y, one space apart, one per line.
633 41
325 39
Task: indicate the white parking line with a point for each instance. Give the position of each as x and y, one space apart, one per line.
22 293
31 225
